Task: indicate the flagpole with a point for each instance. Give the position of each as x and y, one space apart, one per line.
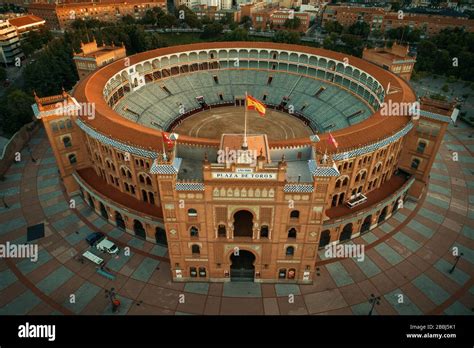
245 145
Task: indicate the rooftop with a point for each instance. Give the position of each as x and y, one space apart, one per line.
25 21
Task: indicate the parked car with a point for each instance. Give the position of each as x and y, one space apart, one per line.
93 238
107 246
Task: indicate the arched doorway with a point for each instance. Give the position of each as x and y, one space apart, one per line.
243 224
119 221
366 224
242 268
346 233
382 215
138 229
160 236
103 211
325 238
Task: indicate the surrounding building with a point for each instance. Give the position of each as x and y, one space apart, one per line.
216 14
92 57
262 214
275 18
10 50
61 15
25 24
396 59
380 19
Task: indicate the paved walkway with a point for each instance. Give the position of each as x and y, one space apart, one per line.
406 261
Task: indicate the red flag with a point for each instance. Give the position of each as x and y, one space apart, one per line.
167 140
254 104
332 140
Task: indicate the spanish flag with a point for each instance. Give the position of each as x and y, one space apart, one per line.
167 140
332 140
254 104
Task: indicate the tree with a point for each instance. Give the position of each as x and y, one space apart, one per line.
333 26
359 29
287 37
128 19
238 34
15 110
246 21
212 30
293 23
167 21
187 16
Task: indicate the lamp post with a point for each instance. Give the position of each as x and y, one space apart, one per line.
455 263
374 300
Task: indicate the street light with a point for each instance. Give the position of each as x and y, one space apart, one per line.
374 300
455 263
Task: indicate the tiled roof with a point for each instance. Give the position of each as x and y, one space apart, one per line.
23 21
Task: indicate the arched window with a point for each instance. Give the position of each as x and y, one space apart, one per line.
264 231
338 183
192 212
221 231
67 142
345 182
325 238
144 196
129 174
282 273
357 178
122 170
68 124
195 249
72 158
127 188
290 251
132 189
364 173
141 179
151 197
193 231
421 147
54 126
148 180
193 272
295 214
345 165
415 163
292 233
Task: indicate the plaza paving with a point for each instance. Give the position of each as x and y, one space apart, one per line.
410 255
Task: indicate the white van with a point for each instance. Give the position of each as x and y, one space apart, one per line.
94 258
107 246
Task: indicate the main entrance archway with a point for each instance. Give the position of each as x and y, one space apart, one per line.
243 224
242 267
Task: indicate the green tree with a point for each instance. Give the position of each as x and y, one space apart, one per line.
212 30
238 34
246 21
287 37
293 23
359 29
333 27
15 110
